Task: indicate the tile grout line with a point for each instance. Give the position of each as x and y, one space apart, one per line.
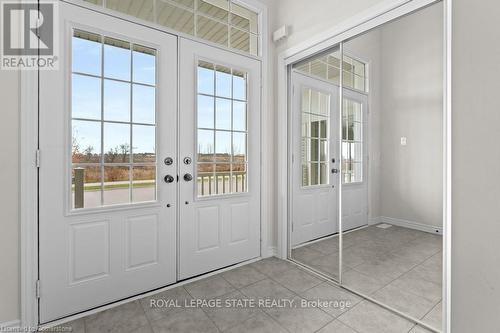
432 309
385 285
295 294
337 319
147 318
301 297
275 321
202 310
242 293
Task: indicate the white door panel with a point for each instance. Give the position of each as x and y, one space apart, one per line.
355 193
92 252
220 206
314 138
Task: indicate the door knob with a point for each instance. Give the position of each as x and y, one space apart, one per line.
335 170
169 179
188 177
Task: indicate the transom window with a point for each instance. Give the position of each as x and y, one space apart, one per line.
220 21
113 151
315 137
222 130
352 141
328 68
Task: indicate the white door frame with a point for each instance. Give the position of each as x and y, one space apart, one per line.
29 158
364 21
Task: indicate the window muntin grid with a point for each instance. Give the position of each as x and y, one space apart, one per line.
328 68
352 142
113 125
220 21
222 130
315 137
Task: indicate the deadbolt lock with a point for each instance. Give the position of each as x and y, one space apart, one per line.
169 161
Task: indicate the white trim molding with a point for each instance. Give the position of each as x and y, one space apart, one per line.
374 220
29 197
438 230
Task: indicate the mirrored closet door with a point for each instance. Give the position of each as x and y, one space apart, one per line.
367 165
392 165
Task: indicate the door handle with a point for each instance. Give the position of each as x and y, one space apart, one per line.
188 177
168 179
335 170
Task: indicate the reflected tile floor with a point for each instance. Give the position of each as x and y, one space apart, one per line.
397 266
290 299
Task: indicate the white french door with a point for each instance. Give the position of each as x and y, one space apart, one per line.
315 158
219 149
136 193
107 219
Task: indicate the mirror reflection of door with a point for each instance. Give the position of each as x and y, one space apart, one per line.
354 160
314 218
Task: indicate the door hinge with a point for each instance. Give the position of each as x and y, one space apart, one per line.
37 158
37 287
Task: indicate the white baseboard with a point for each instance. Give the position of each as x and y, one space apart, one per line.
374 220
407 224
10 324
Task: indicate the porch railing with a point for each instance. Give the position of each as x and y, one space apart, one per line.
221 183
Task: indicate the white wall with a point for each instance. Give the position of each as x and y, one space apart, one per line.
476 167
9 196
412 106
307 18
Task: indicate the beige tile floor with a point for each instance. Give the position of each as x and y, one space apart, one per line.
266 280
399 267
